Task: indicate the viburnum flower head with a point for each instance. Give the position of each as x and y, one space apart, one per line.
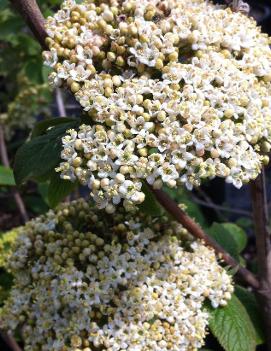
176 92
86 280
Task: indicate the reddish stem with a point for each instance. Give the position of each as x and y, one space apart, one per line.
30 11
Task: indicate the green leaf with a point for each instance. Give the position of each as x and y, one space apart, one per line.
43 191
150 205
194 211
223 237
41 155
33 71
9 28
250 302
45 71
36 204
6 281
180 195
41 127
238 234
30 47
6 176
58 189
232 327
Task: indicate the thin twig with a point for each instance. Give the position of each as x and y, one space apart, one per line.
5 160
221 208
198 233
208 203
260 213
31 13
60 103
3 149
10 341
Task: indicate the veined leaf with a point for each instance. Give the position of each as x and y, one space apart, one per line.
39 156
232 327
248 299
223 237
59 189
238 235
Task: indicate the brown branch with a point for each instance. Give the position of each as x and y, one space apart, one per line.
30 11
5 160
10 341
260 214
198 233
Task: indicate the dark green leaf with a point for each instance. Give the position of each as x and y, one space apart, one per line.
248 299
232 327
30 47
6 176
33 71
36 204
9 28
6 281
238 234
43 191
41 155
194 211
45 71
224 238
36 158
180 195
41 127
150 205
59 189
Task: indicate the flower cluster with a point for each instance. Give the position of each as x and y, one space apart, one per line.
7 241
176 92
85 280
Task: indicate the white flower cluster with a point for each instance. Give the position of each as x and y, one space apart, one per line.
176 91
85 280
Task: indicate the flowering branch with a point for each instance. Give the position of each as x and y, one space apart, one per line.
260 213
29 9
198 232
